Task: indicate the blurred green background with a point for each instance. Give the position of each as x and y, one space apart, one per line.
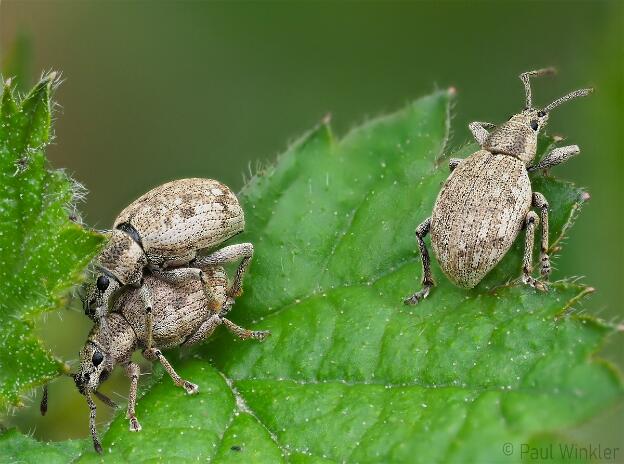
157 91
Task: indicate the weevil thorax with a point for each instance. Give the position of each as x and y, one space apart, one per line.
110 342
518 136
123 258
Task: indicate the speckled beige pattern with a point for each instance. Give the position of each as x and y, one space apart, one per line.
475 223
178 218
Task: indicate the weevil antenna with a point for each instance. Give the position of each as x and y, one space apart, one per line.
105 399
525 78
43 407
565 98
92 428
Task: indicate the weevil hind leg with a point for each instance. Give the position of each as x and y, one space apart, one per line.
230 254
133 371
185 274
245 334
155 354
540 202
531 223
427 281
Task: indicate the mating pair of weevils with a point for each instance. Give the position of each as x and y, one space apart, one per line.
154 291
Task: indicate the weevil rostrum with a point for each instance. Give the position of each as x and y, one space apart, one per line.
487 200
182 316
163 230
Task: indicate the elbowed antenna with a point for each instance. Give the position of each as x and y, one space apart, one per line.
565 98
525 76
43 406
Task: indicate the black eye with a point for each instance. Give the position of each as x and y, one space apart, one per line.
97 358
534 125
541 114
102 283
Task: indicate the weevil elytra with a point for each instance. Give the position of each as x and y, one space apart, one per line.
487 200
182 316
163 230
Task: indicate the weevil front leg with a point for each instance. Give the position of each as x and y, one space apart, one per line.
155 354
480 130
531 223
427 281
229 254
556 156
540 202
133 371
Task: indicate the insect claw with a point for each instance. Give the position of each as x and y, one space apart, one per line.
418 296
190 388
134 425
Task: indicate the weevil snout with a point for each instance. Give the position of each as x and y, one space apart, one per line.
95 367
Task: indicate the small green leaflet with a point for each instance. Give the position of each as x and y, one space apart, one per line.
42 251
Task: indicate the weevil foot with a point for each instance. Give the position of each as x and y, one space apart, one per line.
190 388
134 425
418 296
533 282
260 335
545 265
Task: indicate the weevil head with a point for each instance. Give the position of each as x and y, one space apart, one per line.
96 364
98 294
123 258
518 136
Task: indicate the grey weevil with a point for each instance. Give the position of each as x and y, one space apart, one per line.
182 316
163 231
487 200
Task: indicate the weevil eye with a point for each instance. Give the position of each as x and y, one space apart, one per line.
541 113
102 283
534 125
97 358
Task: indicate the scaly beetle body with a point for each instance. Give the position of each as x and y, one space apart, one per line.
182 316
163 230
487 200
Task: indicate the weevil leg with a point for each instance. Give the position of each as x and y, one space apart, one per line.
556 156
540 202
480 130
184 274
427 281
93 429
243 333
205 330
133 371
453 163
155 354
531 222
229 254
146 298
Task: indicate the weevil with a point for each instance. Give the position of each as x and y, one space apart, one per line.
163 230
487 200
182 316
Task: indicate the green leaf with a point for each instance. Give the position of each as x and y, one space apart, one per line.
350 374
42 251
